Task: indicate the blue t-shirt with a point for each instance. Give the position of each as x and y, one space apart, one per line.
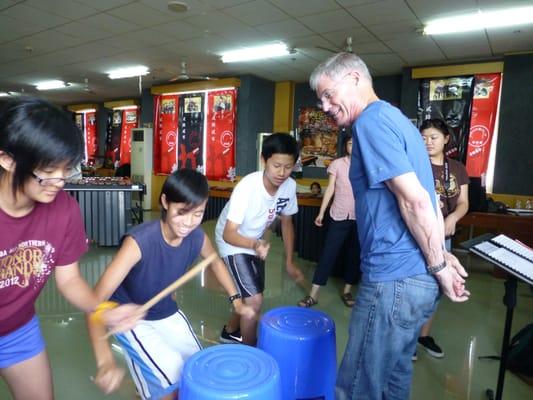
386 145
160 265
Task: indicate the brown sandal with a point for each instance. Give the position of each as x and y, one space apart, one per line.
307 302
348 300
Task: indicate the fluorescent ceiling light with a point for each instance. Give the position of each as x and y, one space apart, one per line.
255 53
86 110
48 85
4 94
480 20
128 72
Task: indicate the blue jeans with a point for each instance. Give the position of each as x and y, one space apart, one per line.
383 332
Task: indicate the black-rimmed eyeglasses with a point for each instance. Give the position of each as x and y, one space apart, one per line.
51 181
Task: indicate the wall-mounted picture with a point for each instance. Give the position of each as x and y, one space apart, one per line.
318 133
168 106
131 116
222 103
193 104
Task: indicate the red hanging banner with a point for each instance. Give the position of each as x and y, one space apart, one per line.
220 138
167 140
91 139
157 135
129 121
482 122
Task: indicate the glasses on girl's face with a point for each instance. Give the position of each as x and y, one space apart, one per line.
51 181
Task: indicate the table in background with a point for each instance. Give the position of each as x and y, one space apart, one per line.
515 226
107 207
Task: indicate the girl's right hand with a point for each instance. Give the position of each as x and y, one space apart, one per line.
318 219
109 377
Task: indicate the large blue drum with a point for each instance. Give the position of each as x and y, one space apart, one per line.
302 341
230 371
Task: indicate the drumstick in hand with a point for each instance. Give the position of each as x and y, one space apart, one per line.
170 288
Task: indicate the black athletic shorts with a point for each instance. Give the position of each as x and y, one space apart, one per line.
248 272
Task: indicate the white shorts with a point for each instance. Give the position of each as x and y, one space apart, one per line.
156 352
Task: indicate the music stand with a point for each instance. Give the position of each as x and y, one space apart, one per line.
509 300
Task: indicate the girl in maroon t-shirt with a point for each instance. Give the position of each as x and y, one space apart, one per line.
40 231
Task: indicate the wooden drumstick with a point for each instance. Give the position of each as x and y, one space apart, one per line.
173 286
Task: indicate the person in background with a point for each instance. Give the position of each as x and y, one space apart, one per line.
403 263
151 257
256 202
342 230
451 185
41 232
316 189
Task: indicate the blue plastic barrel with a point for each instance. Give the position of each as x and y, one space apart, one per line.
230 371
302 341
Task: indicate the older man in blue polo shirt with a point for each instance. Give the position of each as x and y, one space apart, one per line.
403 262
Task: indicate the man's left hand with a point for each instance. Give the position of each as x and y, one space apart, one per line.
452 284
452 261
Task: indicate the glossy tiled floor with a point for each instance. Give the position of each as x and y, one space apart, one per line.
465 331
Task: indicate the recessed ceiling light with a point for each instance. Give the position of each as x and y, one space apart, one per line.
177 6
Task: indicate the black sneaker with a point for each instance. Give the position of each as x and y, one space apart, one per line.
428 343
230 338
414 357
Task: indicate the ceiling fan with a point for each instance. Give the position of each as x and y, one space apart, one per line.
347 48
86 88
184 75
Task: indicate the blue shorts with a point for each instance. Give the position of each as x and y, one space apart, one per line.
21 344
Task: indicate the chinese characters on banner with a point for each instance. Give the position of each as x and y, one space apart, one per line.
114 128
166 127
91 138
129 121
449 99
484 109
220 135
469 105
179 132
318 133
118 141
191 131
86 122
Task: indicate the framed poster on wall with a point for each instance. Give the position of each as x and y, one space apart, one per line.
318 135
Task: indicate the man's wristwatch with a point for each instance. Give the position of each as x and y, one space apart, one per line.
234 297
433 269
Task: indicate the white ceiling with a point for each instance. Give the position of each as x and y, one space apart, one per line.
74 40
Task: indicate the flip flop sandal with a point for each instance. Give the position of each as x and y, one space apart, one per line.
348 300
307 302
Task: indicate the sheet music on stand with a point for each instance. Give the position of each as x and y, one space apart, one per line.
509 254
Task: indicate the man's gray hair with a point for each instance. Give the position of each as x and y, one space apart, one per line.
338 65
